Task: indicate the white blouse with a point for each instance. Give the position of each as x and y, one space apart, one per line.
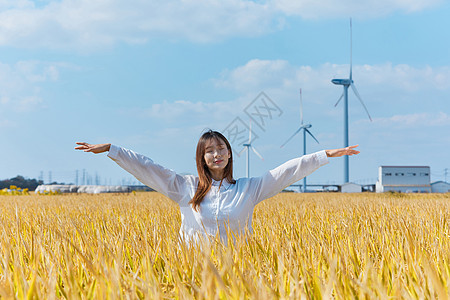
231 206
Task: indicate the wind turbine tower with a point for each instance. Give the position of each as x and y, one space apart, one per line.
247 148
303 127
346 83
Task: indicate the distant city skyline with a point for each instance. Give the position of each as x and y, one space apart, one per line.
152 76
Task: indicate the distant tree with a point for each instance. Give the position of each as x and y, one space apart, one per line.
21 182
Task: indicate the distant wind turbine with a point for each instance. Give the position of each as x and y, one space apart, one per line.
247 147
346 83
303 127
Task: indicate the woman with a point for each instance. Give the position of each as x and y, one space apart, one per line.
213 202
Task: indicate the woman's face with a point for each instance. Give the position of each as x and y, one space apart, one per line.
216 156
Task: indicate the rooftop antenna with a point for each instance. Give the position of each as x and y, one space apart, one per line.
346 83
247 147
303 127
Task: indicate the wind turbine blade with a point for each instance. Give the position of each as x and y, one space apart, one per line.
298 130
250 133
340 98
301 107
243 149
351 37
360 100
312 135
256 152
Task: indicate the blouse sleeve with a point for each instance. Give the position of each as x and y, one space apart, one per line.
274 181
161 179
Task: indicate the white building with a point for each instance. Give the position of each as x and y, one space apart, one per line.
350 187
405 179
440 187
60 188
89 189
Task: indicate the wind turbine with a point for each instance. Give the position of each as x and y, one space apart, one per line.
346 83
247 147
303 127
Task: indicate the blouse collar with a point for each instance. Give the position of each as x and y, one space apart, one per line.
225 183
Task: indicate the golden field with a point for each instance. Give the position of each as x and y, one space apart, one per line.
311 246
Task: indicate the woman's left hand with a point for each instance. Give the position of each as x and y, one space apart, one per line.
342 151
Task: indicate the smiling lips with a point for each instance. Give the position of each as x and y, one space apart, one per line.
218 161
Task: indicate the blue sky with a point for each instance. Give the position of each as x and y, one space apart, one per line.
153 75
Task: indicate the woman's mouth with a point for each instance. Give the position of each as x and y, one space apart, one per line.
218 161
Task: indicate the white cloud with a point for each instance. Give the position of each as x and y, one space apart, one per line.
415 138
393 91
393 95
405 77
35 71
416 120
264 74
187 112
15 4
93 23
257 74
310 9
6 123
87 24
20 83
4 100
28 103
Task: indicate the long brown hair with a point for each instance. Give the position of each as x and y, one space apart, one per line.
204 175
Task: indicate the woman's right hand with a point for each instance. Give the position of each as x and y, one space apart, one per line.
96 148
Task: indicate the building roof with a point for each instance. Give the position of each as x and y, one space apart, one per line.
440 181
404 166
350 183
408 185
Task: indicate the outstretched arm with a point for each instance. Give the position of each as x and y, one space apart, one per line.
94 148
342 151
274 181
161 179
